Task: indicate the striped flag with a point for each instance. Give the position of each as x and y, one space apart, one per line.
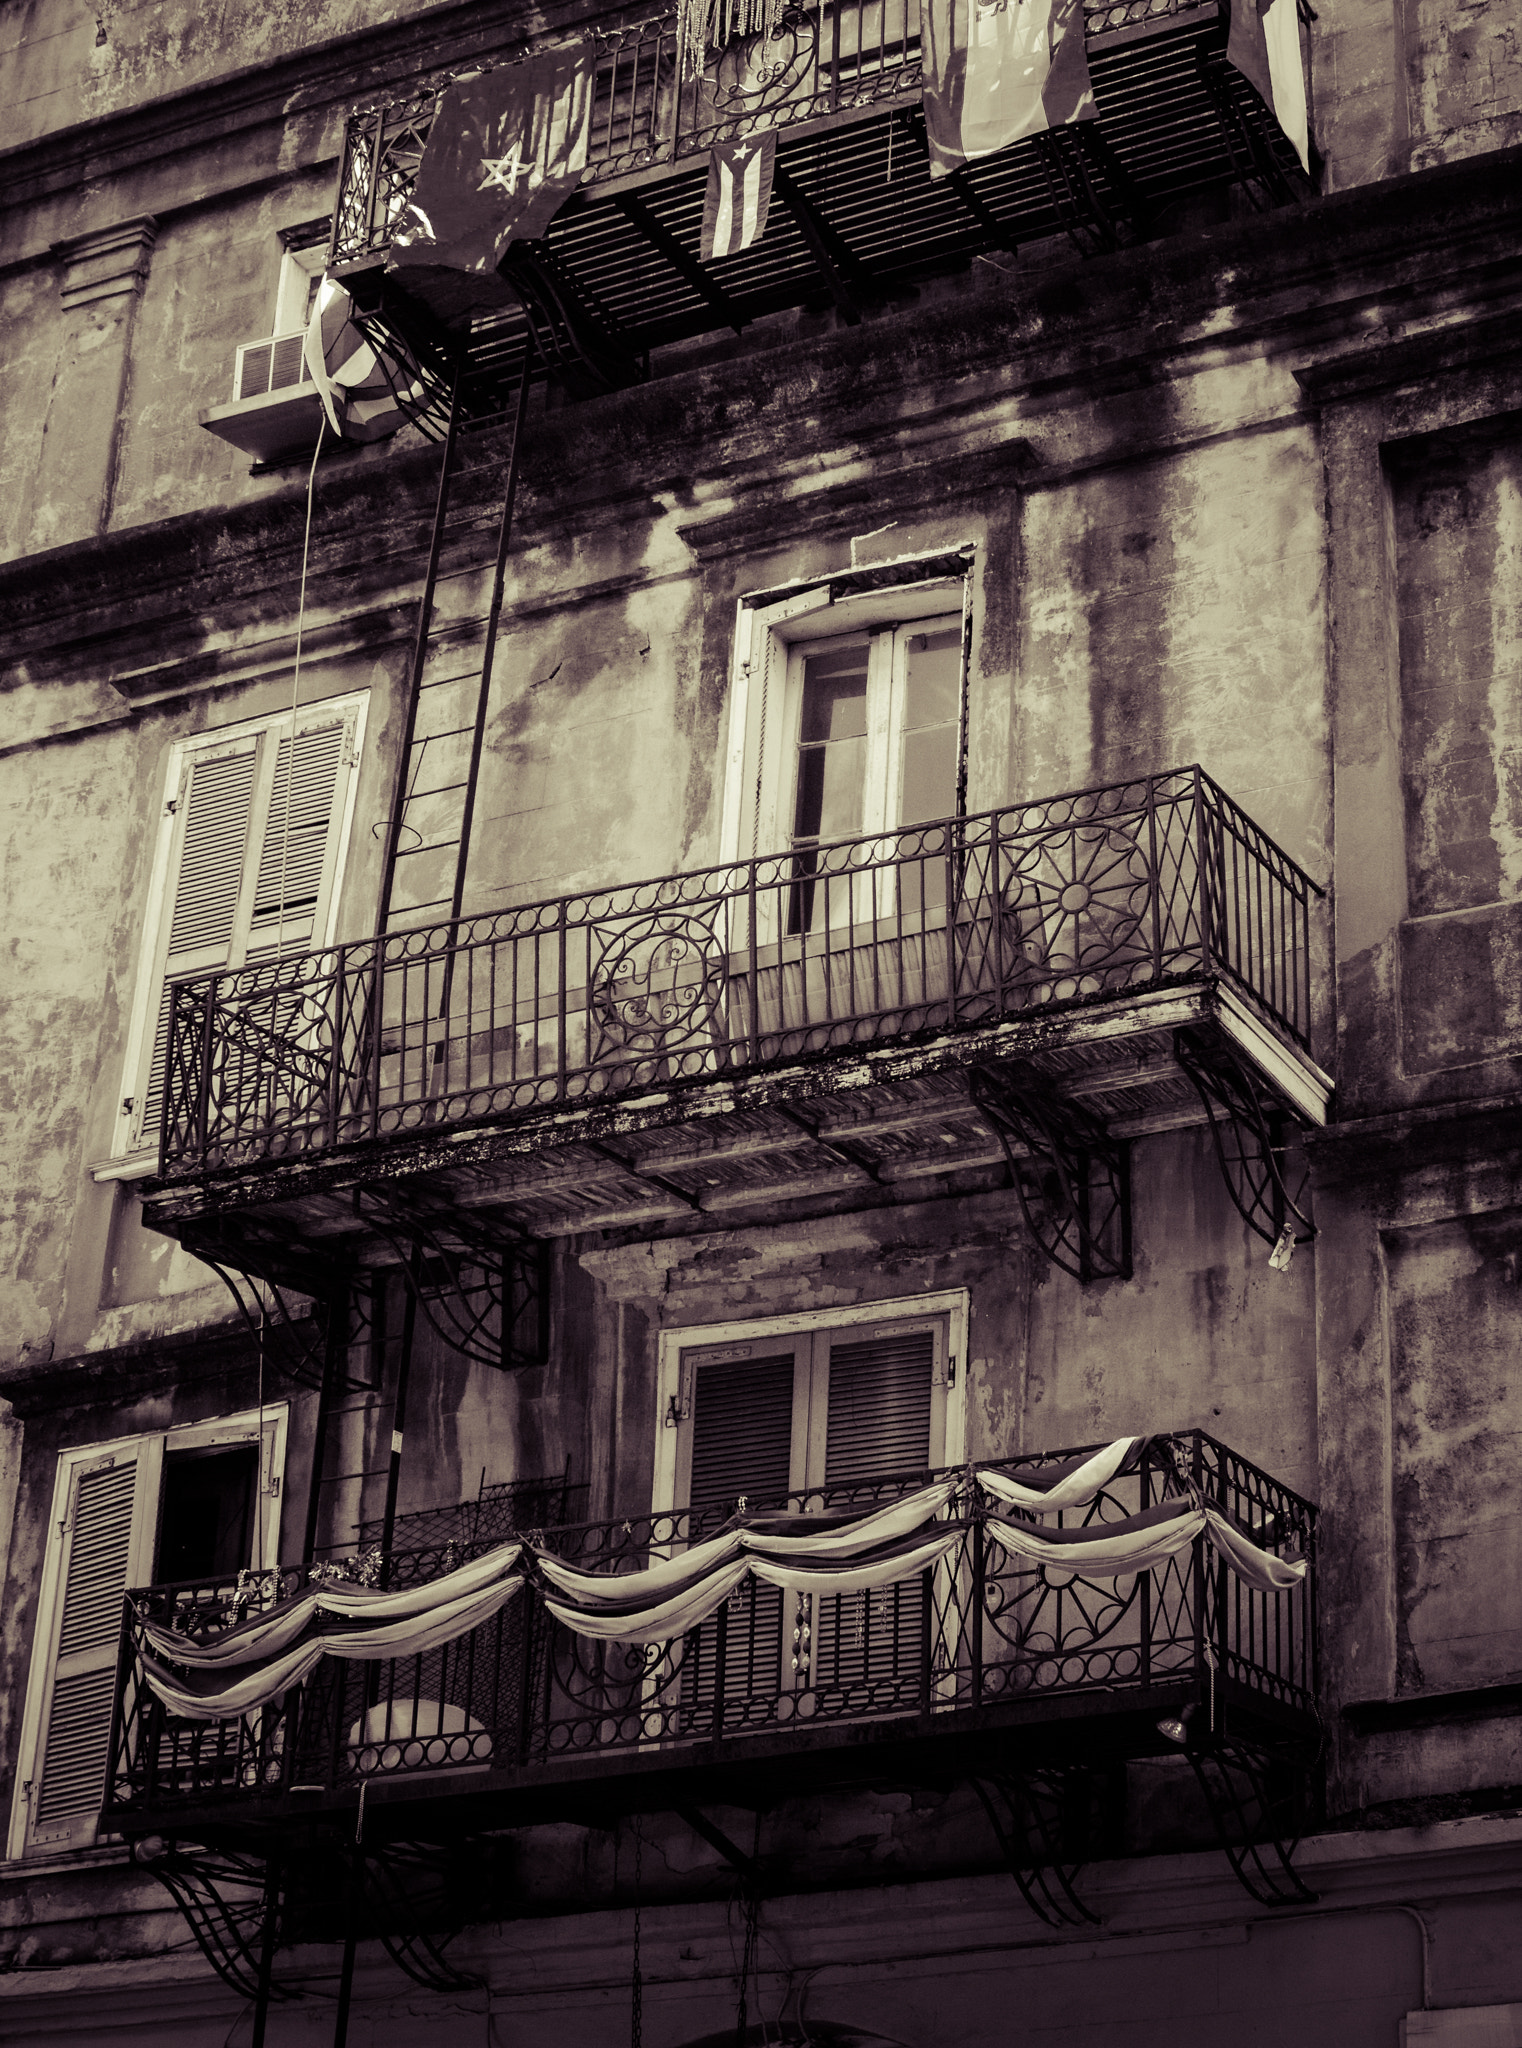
1264 44
739 194
999 69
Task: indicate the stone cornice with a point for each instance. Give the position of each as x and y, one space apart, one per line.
346 70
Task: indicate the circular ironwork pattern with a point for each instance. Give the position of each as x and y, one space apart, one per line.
1080 901
656 986
757 71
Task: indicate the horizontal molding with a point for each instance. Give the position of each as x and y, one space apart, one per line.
1433 1709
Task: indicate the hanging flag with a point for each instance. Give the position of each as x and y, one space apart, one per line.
739 194
366 392
1264 45
506 148
999 69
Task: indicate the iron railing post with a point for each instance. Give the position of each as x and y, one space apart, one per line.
753 962
927 1608
1154 872
721 1661
203 1079
562 1002
975 1620
335 1054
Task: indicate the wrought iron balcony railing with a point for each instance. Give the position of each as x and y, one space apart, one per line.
927 930
979 1639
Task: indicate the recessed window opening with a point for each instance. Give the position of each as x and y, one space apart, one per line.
206 1522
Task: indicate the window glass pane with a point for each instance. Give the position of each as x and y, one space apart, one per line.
835 696
930 774
932 694
832 744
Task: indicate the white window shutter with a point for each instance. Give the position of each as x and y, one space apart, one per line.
102 1544
214 804
298 844
252 869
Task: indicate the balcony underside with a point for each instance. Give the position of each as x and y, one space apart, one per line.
855 218
859 1126
1089 1730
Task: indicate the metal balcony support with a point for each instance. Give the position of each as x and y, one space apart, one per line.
232 1933
572 334
1258 1795
272 1283
1248 1126
481 1286
1032 1813
1072 1177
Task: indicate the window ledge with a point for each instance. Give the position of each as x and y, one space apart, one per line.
130 1166
273 425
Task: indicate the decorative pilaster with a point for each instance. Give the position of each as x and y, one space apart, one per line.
101 279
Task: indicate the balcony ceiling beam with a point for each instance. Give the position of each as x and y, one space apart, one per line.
654 231
836 261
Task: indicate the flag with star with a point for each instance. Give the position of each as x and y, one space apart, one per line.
506 148
996 70
739 195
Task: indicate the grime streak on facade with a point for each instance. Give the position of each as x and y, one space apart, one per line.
762 1236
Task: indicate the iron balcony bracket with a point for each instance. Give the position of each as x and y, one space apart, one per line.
1035 1817
1072 1177
229 1931
419 1955
572 334
481 1287
270 1285
1258 1799
1247 1124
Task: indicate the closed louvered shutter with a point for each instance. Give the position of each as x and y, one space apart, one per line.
742 1438
251 870
297 842
879 1410
742 1433
102 1548
867 1647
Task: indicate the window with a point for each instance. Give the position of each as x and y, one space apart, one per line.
247 869
873 725
847 709
828 1413
198 1504
274 362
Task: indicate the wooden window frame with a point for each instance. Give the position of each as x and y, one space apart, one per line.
143 1014
672 1458
148 1450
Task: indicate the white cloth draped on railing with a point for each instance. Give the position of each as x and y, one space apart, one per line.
405 1623
1136 1543
1074 1484
250 1665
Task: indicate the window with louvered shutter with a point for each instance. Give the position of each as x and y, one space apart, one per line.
832 1418
880 1413
69 1775
252 862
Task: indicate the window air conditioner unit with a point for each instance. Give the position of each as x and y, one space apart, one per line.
274 364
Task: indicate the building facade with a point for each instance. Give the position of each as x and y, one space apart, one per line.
762 1090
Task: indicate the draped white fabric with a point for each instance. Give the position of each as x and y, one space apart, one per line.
685 1610
1076 1490
596 1590
268 1635
407 1635
664 1600
1111 1550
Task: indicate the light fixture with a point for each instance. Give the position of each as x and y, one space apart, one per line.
1176 1726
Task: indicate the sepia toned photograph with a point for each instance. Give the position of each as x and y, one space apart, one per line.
761 1024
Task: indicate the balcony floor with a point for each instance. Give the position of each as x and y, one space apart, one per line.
860 1126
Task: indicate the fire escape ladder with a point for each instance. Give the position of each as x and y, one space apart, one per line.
1072 1177
1036 1817
445 719
1248 1126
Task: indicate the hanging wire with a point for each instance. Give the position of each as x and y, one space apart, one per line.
290 766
